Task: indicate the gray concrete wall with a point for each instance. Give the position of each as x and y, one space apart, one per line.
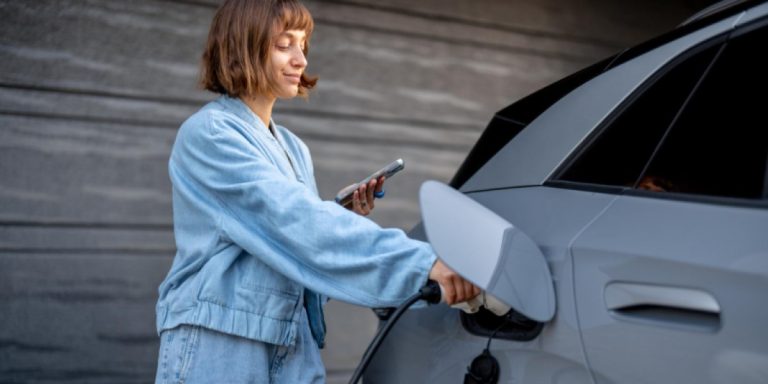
91 95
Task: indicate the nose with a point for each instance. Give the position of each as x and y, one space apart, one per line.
299 60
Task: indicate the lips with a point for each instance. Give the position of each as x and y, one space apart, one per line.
293 77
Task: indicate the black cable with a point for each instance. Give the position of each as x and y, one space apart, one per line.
430 293
506 320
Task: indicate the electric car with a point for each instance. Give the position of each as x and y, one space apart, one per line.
642 181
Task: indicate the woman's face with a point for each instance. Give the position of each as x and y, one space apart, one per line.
288 62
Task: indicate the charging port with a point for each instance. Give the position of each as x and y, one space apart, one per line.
484 323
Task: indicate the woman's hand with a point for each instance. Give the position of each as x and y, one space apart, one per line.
455 288
362 198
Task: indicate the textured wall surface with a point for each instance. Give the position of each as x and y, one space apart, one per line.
91 95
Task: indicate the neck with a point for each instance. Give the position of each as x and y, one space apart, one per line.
261 106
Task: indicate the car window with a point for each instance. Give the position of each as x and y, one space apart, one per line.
617 153
718 146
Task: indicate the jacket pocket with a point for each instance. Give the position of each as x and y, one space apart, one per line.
178 350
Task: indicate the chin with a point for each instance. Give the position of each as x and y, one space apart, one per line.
289 93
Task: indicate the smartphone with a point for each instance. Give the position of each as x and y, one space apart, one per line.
344 197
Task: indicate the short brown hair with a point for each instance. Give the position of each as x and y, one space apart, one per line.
237 54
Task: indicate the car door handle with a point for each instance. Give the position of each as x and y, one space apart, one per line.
663 305
626 295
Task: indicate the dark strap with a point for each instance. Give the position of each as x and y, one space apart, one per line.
314 307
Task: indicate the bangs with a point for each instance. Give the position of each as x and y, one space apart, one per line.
293 15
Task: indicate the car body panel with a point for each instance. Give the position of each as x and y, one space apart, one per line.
717 251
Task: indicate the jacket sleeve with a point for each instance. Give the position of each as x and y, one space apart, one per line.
316 243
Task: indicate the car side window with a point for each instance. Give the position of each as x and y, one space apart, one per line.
617 153
718 146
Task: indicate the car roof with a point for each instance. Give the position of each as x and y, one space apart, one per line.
707 16
714 9
511 120
533 154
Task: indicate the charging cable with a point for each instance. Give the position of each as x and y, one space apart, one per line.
430 293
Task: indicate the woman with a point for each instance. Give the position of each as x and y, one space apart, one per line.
258 251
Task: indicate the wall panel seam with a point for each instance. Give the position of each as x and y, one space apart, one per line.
479 23
200 103
441 18
86 225
167 252
470 43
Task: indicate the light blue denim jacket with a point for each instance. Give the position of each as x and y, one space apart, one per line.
254 240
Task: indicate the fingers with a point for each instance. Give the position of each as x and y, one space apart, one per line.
363 198
449 294
441 274
470 290
358 205
365 202
476 290
369 195
356 202
455 288
463 289
380 184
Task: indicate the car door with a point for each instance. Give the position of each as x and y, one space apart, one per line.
670 278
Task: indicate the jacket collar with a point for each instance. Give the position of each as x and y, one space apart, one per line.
241 110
